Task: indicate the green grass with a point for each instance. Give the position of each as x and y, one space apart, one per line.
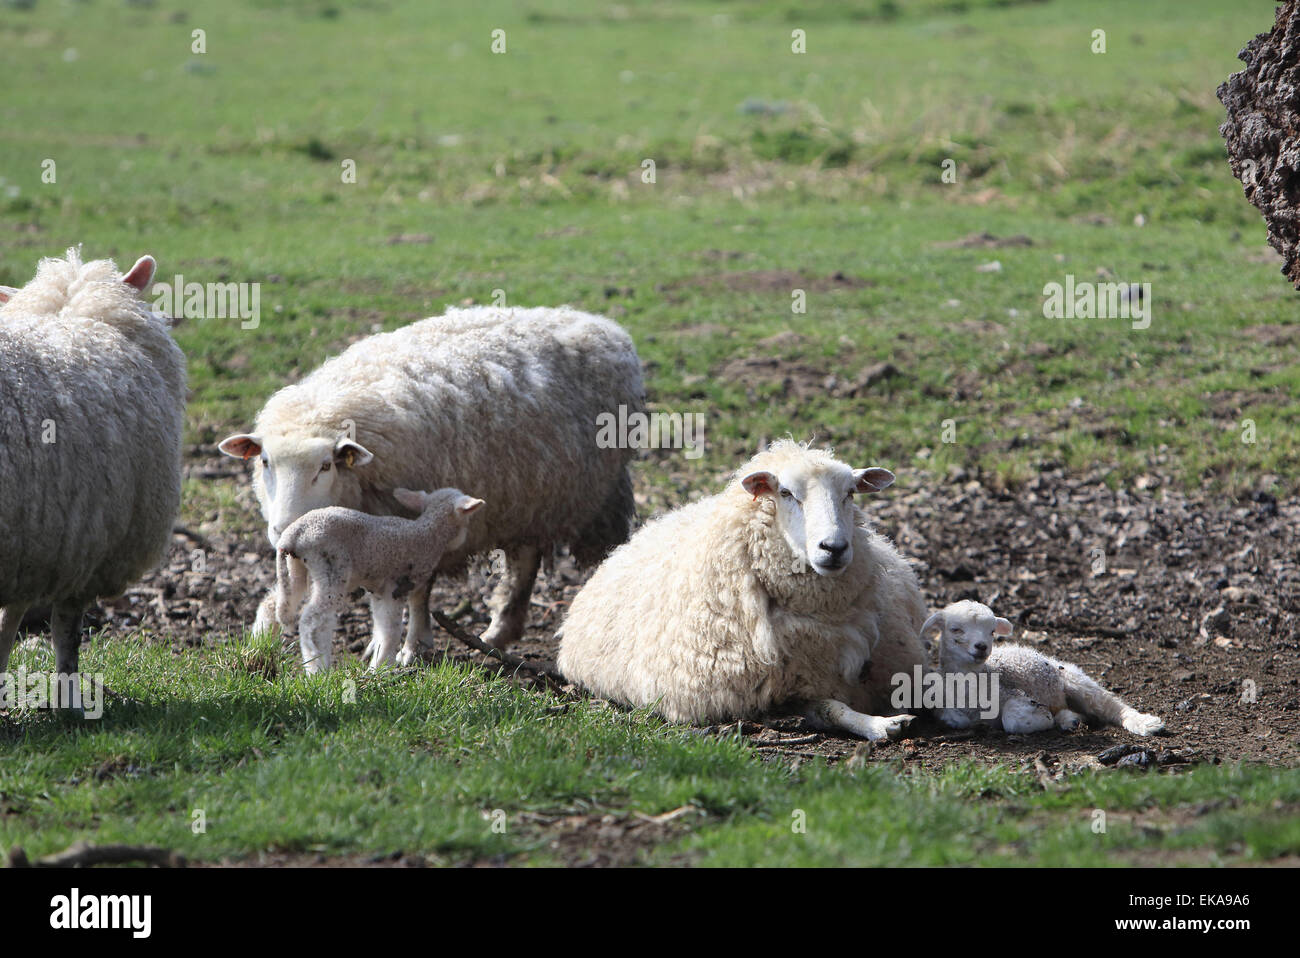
522 172
424 762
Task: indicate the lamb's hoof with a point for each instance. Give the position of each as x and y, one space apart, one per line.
885 727
1140 723
406 657
1068 721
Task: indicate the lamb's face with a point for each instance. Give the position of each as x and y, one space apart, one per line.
815 510
295 476
969 630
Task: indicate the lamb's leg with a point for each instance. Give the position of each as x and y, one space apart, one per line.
1085 695
830 714
509 602
386 614
65 627
316 627
11 616
419 630
292 583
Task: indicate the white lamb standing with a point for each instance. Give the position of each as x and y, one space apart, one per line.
773 593
1037 691
341 550
502 401
93 405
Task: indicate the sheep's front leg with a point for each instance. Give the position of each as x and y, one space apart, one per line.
11 616
509 602
316 627
266 618
830 714
65 626
386 614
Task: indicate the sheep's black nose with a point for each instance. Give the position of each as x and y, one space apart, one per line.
981 647
835 548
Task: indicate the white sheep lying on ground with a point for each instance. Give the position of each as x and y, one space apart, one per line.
502 401
1036 690
772 593
342 550
93 403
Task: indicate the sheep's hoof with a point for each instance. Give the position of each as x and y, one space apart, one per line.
880 728
1141 724
406 657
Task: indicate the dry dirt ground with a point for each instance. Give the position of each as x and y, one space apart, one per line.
1186 607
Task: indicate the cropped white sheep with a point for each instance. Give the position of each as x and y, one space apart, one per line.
93 399
773 593
1037 691
341 550
501 401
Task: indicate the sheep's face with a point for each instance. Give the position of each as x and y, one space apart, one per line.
815 510
968 631
295 476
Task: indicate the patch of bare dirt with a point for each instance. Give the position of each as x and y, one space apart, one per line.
985 240
763 281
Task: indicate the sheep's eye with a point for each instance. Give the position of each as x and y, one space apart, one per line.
325 466
787 494
958 631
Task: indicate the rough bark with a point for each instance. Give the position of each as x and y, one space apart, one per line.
1263 131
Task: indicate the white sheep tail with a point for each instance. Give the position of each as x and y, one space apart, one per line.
1086 696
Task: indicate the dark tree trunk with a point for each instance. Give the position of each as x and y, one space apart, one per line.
1263 131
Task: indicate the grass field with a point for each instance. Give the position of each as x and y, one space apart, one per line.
774 171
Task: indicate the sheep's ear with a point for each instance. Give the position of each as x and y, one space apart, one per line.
141 274
1001 626
351 454
410 498
241 445
6 292
760 483
468 504
872 479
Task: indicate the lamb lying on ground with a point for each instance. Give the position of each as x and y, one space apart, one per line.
1035 691
341 550
93 402
770 594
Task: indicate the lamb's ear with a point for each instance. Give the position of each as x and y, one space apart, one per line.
141 274
410 498
468 504
5 293
872 479
929 643
760 483
242 445
1001 626
351 454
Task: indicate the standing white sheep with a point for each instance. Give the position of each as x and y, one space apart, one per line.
1038 691
502 401
93 404
772 593
341 550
